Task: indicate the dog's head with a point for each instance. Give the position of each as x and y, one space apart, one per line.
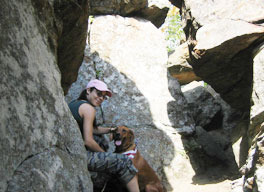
123 138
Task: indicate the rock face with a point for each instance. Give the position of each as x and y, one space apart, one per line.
156 11
66 23
235 48
179 67
41 50
257 109
226 51
214 120
122 7
152 10
206 112
136 74
253 170
130 56
221 49
71 24
254 166
40 144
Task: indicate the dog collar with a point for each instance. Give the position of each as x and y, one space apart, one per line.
131 153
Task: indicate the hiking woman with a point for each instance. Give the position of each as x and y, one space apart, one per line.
84 112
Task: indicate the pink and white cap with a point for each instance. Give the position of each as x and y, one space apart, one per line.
99 85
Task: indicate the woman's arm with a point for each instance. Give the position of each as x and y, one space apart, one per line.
103 130
87 112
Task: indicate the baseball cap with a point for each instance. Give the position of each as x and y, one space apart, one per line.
99 85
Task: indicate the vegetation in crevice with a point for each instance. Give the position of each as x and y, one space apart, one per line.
172 28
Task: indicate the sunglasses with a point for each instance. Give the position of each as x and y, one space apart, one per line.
100 94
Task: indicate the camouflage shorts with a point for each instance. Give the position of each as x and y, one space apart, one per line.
113 164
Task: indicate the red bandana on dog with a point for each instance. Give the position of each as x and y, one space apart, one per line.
131 153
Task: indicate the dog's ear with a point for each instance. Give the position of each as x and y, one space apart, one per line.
131 136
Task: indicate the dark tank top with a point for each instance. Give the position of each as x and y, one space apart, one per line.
74 107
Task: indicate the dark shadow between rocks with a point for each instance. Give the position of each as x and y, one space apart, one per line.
209 151
210 168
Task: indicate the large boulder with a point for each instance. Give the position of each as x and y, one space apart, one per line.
206 111
254 167
221 41
152 10
136 74
123 7
257 99
156 11
40 145
224 59
215 10
130 56
179 67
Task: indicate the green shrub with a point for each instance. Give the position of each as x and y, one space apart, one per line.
173 29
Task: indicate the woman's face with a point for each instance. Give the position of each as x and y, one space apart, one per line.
96 97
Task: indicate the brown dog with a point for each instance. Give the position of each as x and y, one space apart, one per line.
124 141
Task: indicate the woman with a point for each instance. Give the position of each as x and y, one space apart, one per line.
83 110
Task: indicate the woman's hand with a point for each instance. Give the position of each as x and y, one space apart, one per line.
104 130
112 129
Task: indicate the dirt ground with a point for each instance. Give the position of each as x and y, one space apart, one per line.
186 186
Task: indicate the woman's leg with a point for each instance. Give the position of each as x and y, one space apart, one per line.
116 165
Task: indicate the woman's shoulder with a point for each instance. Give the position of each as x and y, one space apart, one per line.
87 106
87 110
